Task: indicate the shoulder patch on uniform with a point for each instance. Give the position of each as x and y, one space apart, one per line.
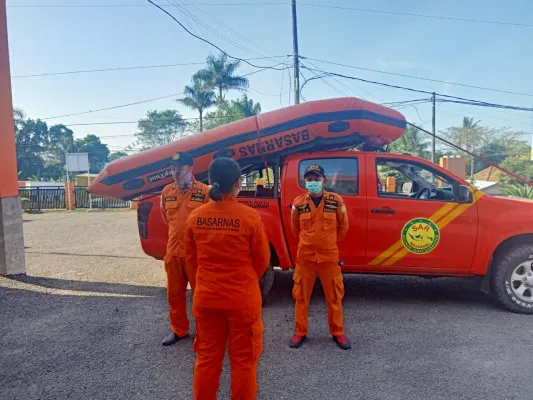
331 205
171 198
304 208
199 197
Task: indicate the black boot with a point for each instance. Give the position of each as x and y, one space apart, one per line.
172 338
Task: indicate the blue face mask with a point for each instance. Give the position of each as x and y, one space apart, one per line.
314 187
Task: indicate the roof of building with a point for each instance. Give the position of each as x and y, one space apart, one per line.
489 174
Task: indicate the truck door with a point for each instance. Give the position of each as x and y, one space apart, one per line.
345 174
417 219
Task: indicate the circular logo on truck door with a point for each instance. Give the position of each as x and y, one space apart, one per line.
420 235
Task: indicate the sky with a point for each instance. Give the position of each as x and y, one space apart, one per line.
47 37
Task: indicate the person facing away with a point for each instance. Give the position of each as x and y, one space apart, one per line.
319 220
178 199
226 243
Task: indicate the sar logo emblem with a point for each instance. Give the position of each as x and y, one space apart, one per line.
420 235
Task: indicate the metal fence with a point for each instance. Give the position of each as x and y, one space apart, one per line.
42 198
83 200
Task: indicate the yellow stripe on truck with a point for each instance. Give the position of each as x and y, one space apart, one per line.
442 217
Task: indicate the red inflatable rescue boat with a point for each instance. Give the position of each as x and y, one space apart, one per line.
315 125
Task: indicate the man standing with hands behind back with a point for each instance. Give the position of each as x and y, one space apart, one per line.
178 199
319 220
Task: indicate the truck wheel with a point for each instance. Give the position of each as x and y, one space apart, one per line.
513 279
266 282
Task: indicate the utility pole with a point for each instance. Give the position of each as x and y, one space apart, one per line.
296 56
434 131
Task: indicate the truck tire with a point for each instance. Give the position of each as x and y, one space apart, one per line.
266 282
512 279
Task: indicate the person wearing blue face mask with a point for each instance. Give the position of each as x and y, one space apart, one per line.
319 220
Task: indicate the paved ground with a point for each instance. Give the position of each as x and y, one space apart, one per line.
87 323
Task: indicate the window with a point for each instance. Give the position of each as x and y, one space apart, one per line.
404 179
342 174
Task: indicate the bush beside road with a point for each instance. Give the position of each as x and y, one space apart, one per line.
88 319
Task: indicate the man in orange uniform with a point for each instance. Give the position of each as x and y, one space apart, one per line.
320 221
228 245
177 201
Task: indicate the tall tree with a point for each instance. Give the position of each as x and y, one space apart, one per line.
470 136
116 155
413 141
199 97
220 75
245 106
160 127
232 111
31 137
520 165
97 151
60 142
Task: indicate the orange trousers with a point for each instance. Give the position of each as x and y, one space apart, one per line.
333 286
178 277
242 330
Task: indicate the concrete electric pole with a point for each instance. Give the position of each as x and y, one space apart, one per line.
12 259
296 56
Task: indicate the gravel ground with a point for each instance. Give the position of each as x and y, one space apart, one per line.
87 321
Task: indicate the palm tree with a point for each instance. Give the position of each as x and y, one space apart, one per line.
412 142
246 106
199 97
220 75
473 138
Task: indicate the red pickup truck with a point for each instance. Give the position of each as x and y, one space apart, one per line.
407 216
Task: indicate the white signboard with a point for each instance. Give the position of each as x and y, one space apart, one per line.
77 162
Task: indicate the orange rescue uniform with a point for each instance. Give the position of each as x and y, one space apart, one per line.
319 230
175 208
227 244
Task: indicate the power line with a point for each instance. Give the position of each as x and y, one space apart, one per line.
367 10
219 34
207 41
229 29
460 100
418 77
140 102
277 3
125 68
113 107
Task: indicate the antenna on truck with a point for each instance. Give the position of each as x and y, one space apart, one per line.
258 130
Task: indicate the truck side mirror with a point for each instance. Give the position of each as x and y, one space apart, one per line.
464 195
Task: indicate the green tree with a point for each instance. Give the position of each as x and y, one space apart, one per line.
116 155
501 144
245 106
220 75
198 97
97 151
31 137
522 166
232 111
160 127
60 142
470 135
414 142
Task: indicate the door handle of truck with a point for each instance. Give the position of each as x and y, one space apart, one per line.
383 211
